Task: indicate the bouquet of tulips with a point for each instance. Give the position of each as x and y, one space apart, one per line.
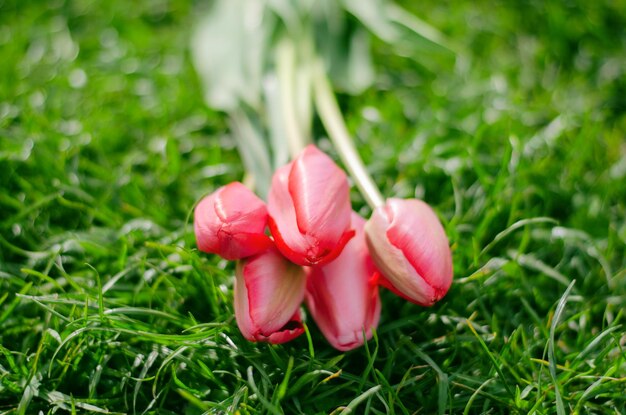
319 250
306 244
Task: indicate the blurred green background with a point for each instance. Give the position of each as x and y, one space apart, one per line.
106 144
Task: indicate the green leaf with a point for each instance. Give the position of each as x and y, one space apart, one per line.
229 49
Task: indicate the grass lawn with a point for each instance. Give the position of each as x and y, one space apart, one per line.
106 305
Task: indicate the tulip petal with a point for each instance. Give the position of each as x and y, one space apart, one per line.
275 290
289 331
320 194
393 264
326 255
236 203
415 230
242 307
342 295
282 221
205 228
231 222
309 208
268 293
243 245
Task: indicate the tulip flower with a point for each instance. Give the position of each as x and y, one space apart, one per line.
309 208
231 222
409 246
342 295
268 293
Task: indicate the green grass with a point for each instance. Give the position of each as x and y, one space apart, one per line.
105 146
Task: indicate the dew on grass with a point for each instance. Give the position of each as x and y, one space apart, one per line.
144 87
189 125
77 78
109 38
618 170
611 70
371 114
70 127
64 145
25 152
37 99
112 48
35 52
172 65
149 275
63 47
84 139
8 110
158 145
215 170
130 65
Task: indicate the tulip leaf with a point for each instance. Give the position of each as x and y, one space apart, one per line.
356 71
229 48
253 148
345 51
277 133
403 31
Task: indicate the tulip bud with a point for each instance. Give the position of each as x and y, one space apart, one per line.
309 208
342 296
231 223
409 246
268 293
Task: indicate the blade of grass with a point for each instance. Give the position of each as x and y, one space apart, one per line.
495 363
560 407
442 379
359 399
517 225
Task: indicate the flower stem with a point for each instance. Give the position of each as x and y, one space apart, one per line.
330 115
286 71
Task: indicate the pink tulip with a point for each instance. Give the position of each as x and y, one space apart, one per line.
268 293
342 295
409 246
309 208
231 222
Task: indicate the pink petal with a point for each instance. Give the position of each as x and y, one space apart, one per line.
275 290
282 223
206 225
326 255
393 264
321 198
342 296
309 207
231 222
416 230
289 331
243 245
242 307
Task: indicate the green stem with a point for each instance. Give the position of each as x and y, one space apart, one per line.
331 117
286 71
